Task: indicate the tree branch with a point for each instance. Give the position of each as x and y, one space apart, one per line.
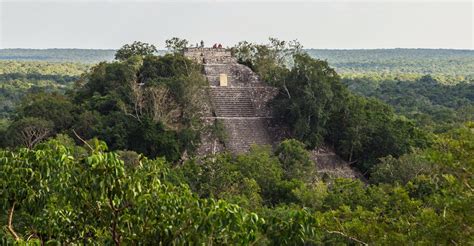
10 222
349 237
84 141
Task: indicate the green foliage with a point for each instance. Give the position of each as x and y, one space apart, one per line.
288 226
426 100
365 130
218 130
450 66
98 199
295 160
262 166
56 192
312 195
147 104
219 177
312 91
446 65
401 170
137 48
54 107
176 44
18 79
267 59
319 109
4 123
86 56
28 131
257 178
40 70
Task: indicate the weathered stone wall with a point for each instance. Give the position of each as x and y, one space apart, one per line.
243 132
210 143
332 165
210 55
261 98
206 108
237 75
232 102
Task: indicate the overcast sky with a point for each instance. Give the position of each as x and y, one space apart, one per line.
343 24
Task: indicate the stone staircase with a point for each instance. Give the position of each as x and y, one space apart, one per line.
237 74
232 102
243 132
240 106
234 107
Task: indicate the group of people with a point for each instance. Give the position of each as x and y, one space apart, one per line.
215 46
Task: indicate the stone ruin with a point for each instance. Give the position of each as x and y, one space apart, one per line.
239 101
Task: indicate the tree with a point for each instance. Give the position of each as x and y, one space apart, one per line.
146 104
176 45
364 130
28 182
52 107
401 170
219 177
261 165
270 61
137 48
295 160
99 199
311 93
29 131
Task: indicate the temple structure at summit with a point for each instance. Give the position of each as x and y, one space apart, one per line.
238 98
239 101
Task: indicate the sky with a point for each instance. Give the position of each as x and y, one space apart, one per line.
339 24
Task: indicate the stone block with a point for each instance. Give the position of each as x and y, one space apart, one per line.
222 79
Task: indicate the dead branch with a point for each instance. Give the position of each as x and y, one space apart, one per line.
346 236
82 140
10 222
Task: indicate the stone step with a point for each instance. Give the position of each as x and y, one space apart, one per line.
232 102
242 133
233 90
237 74
237 100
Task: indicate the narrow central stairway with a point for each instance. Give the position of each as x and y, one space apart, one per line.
232 102
234 107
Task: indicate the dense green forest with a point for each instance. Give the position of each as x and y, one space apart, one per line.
18 78
449 66
60 192
58 55
22 70
431 103
105 154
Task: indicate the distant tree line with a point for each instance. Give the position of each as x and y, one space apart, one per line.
448 65
430 103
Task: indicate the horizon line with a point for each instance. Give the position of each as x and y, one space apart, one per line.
304 48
